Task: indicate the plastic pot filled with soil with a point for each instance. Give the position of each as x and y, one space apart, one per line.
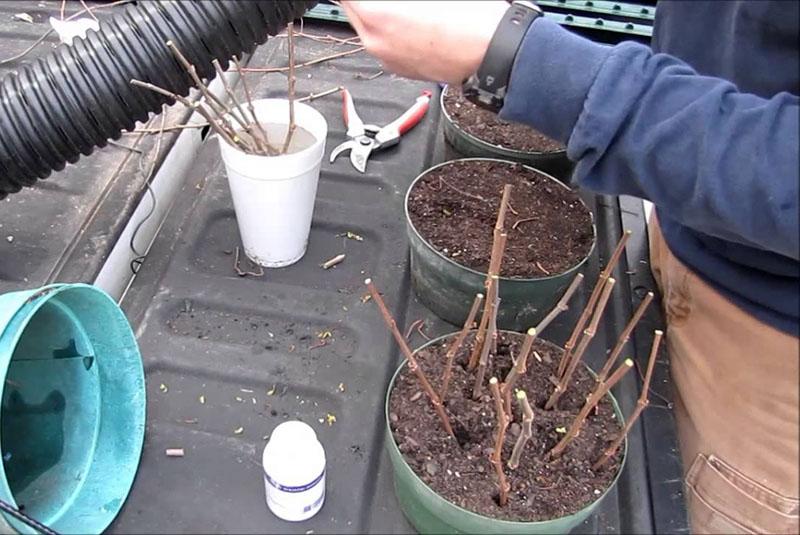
451 210
494 431
475 132
449 485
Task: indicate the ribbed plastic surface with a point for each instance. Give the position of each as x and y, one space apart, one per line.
80 96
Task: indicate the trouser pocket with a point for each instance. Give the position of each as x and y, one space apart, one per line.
724 500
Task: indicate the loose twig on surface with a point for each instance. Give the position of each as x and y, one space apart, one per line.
45 35
241 272
624 336
333 262
587 312
527 431
641 404
601 390
576 357
456 345
371 77
497 452
413 365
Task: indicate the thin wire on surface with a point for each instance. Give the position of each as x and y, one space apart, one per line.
25 519
137 262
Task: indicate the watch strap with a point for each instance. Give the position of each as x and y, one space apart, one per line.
488 87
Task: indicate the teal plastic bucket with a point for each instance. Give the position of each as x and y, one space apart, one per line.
73 407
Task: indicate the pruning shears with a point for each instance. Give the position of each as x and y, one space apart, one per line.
366 138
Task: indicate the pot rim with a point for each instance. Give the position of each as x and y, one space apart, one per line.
492 146
473 514
572 269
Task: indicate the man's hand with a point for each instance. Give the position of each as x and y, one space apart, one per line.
431 40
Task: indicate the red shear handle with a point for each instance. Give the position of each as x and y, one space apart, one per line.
391 133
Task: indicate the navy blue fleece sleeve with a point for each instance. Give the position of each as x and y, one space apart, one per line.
717 160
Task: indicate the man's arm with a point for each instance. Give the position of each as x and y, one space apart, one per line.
717 160
720 161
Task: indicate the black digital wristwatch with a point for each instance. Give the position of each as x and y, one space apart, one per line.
487 88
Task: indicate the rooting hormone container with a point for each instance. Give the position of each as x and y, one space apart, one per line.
294 472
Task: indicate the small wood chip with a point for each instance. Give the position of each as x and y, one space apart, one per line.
175 452
163 388
542 269
202 400
351 236
335 261
238 431
416 396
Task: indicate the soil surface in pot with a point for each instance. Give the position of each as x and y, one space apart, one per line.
486 126
454 208
464 475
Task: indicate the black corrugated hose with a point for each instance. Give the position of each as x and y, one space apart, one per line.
79 96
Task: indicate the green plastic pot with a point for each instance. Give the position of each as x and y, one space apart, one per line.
448 289
72 418
430 513
554 163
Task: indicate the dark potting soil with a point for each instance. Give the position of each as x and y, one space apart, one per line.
463 474
454 208
486 126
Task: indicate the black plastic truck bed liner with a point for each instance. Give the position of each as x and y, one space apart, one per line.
228 358
62 229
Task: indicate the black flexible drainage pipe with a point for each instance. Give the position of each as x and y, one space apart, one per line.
80 96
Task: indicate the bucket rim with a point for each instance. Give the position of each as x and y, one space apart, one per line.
32 304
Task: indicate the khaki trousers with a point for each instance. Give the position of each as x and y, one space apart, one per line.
736 405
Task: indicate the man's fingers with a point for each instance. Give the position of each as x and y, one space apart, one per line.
351 8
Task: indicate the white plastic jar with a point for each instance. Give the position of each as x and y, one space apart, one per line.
294 472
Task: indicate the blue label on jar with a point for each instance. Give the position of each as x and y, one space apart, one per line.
300 488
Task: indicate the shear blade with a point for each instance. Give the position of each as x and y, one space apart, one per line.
347 145
359 160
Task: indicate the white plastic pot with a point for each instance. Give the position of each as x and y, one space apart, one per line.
274 195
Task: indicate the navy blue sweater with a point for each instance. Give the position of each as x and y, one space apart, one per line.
706 125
